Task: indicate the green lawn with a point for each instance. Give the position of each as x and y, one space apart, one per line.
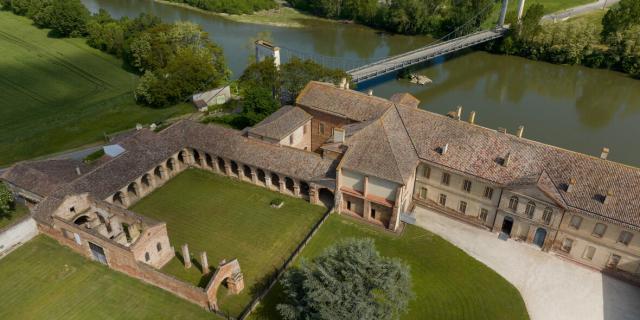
228 219
13 215
447 282
59 94
550 6
44 280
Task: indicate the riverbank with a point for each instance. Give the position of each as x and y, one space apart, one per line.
281 17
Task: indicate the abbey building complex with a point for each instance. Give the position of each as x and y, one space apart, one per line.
368 157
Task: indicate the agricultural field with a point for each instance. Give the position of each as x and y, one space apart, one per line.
447 283
228 219
59 94
44 280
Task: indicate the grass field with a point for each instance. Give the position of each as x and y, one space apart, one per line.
228 219
448 284
550 6
44 280
11 216
59 94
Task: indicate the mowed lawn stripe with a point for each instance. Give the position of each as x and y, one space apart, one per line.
229 219
44 280
448 283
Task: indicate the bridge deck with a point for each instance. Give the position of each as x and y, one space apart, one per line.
423 54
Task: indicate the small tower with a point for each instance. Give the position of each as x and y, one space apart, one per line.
266 49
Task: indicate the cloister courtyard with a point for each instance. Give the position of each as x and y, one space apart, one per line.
228 219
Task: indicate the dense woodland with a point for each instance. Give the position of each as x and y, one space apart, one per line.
613 44
403 16
231 6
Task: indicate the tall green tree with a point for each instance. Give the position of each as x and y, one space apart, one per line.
622 16
262 74
66 18
258 103
6 199
296 73
348 281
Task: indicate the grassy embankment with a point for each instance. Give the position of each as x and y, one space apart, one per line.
229 219
44 280
59 94
448 283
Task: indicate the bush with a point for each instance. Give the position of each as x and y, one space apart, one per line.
6 199
277 202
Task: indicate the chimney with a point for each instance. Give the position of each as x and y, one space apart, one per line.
444 149
572 182
78 171
605 153
506 160
338 135
472 117
459 112
520 131
608 197
370 92
343 83
502 130
346 86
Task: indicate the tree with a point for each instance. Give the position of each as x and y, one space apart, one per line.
262 74
530 25
296 73
622 16
6 199
348 281
258 103
66 18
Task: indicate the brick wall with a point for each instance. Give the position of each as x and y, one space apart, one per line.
329 122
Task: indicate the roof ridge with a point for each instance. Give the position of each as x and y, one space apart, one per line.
386 137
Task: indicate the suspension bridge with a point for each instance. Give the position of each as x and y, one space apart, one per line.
464 36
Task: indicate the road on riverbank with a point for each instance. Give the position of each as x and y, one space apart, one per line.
579 10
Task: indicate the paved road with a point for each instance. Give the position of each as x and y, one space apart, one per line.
552 288
575 11
78 154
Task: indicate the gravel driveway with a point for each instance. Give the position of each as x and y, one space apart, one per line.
551 287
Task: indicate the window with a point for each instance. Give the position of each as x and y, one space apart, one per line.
531 208
373 213
614 261
546 216
488 192
159 247
513 203
304 129
589 252
321 128
291 139
443 199
445 178
599 229
566 245
423 193
348 205
426 172
466 186
72 209
147 257
463 207
483 214
575 222
625 237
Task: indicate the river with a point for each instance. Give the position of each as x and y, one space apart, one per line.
572 107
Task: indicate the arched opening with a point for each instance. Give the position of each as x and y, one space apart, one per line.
234 168
158 172
221 164
540 236
261 176
132 190
247 171
288 183
171 164
117 198
146 181
209 160
326 197
304 189
81 220
507 225
196 157
181 157
275 180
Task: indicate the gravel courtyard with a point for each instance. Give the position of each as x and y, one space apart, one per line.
551 287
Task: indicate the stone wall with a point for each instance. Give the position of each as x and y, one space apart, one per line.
328 121
16 234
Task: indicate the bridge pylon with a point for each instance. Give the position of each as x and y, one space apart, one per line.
266 49
503 13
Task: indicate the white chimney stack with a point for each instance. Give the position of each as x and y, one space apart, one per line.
459 112
608 197
520 131
604 154
343 83
571 184
472 117
78 171
370 92
444 149
506 160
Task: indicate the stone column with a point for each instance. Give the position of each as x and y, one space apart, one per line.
282 186
267 179
531 233
164 172
296 188
227 168
254 175
313 194
395 215
186 256
366 211
125 197
205 262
